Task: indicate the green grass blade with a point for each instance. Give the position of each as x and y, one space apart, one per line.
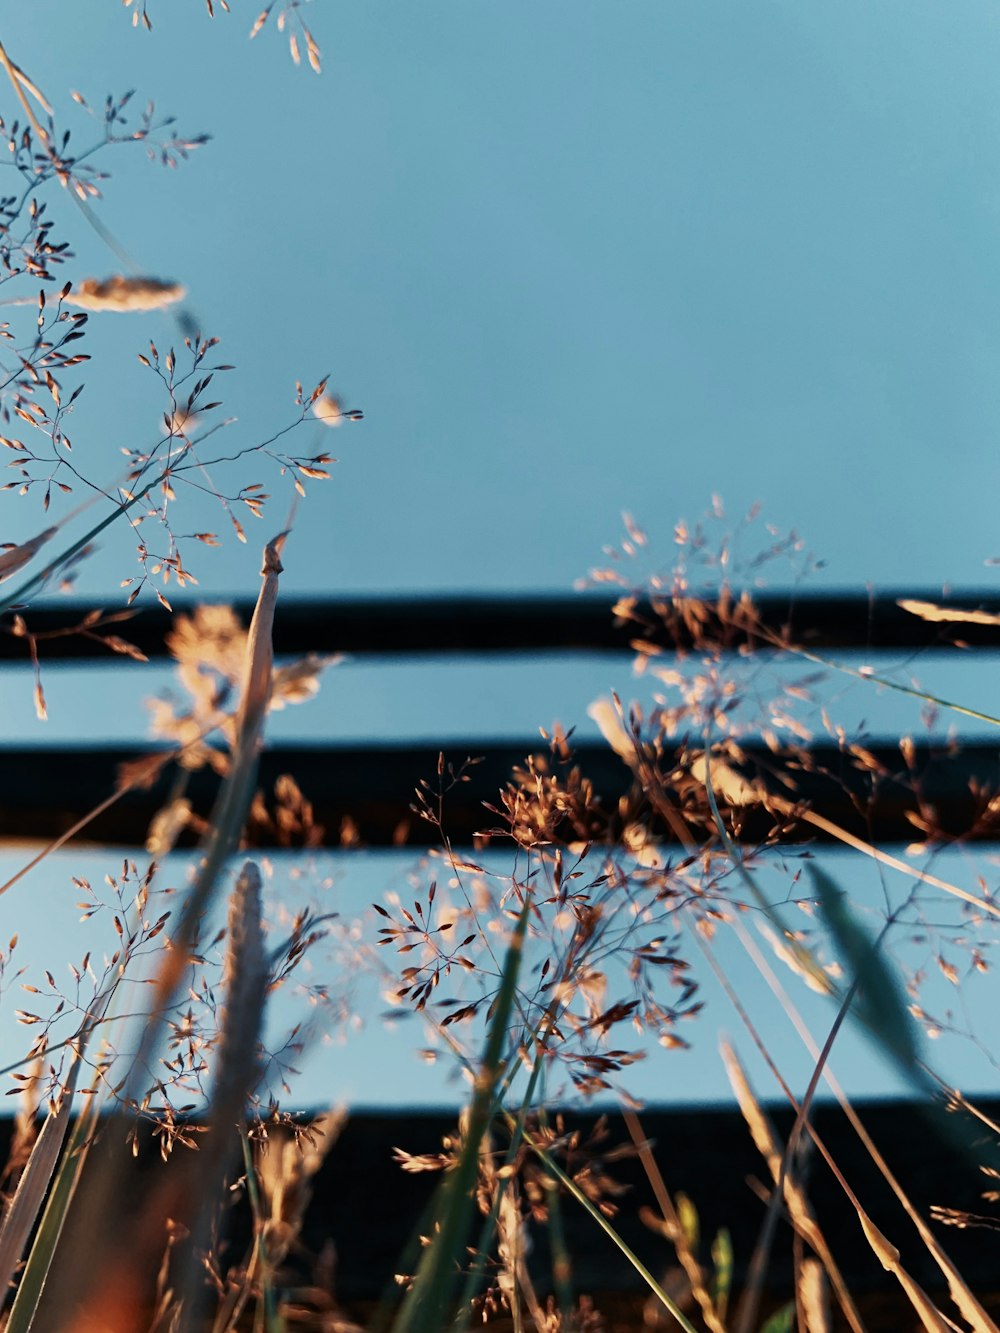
562 1261
782 1321
880 1006
34 1184
722 1276
425 1307
690 1224
870 678
474 1276
803 956
266 1315
20 1217
36 1270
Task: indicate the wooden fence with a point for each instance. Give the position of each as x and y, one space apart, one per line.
369 790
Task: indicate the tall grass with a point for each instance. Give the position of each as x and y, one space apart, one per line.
545 975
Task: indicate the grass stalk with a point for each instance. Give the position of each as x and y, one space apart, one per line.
237 1073
640 1268
887 1254
43 1249
84 1271
799 1212
562 1260
266 1318
672 1224
959 1291
424 1309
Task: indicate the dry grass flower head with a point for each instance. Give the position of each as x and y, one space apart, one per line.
124 294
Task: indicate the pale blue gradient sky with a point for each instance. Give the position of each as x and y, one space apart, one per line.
570 259
574 259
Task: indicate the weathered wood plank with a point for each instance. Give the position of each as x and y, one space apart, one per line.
44 791
477 623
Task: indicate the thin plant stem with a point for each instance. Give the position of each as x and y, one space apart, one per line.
571 1186
562 1262
960 1292
424 1307
685 1254
266 1318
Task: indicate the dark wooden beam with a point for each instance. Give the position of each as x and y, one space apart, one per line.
530 622
368 1207
43 792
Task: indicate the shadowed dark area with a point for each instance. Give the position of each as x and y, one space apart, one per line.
44 791
368 1207
539 622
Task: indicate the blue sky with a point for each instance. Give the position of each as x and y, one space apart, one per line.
570 259
573 260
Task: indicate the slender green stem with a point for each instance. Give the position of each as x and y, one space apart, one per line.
426 1303
474 1276
562 1263
266 1314
36 581
870 678
569 1184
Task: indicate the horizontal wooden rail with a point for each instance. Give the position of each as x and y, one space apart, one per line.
370 790
705 1152
530 622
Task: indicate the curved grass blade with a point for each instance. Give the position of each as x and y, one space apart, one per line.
24 1208
95 1241
42 1166
43 1249
880 1006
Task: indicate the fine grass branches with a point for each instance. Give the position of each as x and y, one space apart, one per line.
622 901
148 1023
548 961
